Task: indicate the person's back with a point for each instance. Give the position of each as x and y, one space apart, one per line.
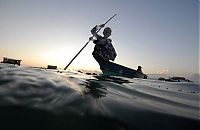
103 50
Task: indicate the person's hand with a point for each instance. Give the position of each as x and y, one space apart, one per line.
102 25
91 38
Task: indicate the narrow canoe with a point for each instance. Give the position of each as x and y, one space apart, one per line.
113 69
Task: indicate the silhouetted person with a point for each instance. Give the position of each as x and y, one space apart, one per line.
103 50
139 69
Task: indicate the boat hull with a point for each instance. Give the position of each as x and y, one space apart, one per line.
113 69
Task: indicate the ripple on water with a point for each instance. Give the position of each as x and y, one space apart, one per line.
76 100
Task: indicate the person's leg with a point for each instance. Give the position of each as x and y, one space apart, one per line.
99 60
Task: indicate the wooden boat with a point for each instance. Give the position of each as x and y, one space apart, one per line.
11 61
51 67
113 69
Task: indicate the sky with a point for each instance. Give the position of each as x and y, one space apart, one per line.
160 35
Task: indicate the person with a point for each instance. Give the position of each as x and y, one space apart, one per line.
139 69
103 50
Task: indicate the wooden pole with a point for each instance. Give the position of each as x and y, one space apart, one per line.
87 43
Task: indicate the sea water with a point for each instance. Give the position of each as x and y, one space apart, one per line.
38 98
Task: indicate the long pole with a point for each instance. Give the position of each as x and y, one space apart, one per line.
87 43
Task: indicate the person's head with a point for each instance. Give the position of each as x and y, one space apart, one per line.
107 32
139 67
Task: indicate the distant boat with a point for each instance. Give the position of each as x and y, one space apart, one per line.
113 69
175 79
51 67
11 61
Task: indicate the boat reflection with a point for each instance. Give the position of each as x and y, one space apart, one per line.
115 79
94 88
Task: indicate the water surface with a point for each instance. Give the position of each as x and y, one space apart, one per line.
36 98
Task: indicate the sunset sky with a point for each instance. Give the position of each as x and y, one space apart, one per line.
160 35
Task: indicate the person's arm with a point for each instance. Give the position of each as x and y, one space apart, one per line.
94 30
